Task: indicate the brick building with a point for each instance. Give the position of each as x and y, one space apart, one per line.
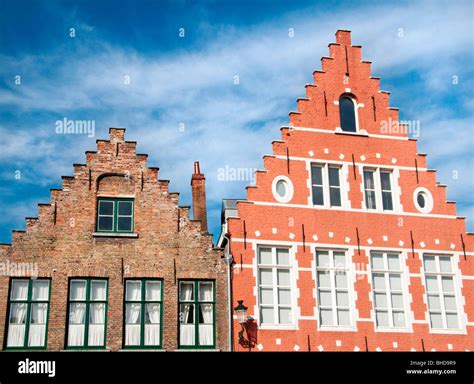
116 263
346 241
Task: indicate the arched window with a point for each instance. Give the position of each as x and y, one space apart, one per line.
347 114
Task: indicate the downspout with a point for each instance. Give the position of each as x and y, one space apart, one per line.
229 260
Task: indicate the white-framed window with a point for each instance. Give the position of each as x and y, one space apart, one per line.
388 291
441 292
326 185
423 200
333 288
274 286
378 189
282 189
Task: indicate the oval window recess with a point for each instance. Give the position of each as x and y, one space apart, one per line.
423 200
420 198
282 189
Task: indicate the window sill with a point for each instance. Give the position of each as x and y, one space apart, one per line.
393 330
361 132
86 350
337 329
115 234
278 327
142 350
448 331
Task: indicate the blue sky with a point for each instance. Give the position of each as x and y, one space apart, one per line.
416 47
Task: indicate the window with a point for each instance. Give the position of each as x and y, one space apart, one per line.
423 200
369 189
28 313
143 303
347 114
378 189
274 285
196 314
386 191
326 187
333 288
440 290
115 215
87 313
387 290
282 189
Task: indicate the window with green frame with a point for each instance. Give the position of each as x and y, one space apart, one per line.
115 215
143 313
197 314
28 314
87 313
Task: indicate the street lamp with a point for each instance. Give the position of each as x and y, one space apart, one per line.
247 324
241 312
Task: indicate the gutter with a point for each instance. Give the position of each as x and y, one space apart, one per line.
229 260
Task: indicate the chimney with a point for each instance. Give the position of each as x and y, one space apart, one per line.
198 186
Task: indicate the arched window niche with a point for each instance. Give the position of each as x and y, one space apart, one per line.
348 113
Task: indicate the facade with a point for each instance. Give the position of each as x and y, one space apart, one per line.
114 263
346 241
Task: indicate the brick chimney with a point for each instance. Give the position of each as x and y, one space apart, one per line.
198 186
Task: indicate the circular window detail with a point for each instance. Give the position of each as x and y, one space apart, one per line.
423 200
282 189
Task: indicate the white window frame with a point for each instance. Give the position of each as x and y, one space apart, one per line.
326 187
429 203
378 189
388 291
332 272
289 189
457 294
274 267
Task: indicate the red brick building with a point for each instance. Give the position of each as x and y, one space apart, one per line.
346 242
114 263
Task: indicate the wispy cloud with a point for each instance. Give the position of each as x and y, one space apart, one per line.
227 123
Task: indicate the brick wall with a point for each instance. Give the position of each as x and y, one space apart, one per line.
169 245
314 136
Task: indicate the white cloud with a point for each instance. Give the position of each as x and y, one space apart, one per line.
224 123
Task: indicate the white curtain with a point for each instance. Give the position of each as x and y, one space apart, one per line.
78 290
98 290
206 329
97 313
152 329
40 290
19 290
37 330
186 334
132 313
77 313
76 324
96 324
132 324
38 314
16 327
153 291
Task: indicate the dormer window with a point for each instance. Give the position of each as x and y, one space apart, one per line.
347 114
115 215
